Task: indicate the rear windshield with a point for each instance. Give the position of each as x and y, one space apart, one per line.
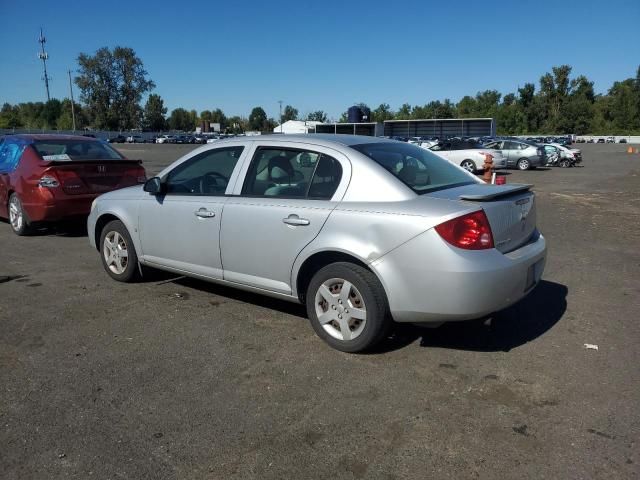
420 170
70 150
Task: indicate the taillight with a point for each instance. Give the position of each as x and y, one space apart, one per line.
48 181
471 231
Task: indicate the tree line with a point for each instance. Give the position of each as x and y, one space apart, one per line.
112 84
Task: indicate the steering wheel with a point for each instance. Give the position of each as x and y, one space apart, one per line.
212 181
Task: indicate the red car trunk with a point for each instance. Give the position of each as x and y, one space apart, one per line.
96 176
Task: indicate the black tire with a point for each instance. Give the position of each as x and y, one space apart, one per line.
468 165
565 163
523 164
369 288
131 272
21 225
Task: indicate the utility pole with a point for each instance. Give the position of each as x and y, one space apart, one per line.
73 109
44 56
280 102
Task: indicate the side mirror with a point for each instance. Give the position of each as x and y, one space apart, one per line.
153 185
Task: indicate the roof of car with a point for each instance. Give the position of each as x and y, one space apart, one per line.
328 138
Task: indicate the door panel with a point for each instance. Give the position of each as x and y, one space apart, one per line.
182 232
181 228
261 238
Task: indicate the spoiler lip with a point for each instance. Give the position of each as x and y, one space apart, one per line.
72 162
496 192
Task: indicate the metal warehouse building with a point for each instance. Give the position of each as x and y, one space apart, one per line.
369 128
441 127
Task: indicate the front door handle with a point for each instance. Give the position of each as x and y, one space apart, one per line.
204 213
294 219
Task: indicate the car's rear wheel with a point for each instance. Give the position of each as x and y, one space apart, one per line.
523 164
347 307
18 218
565 163
468 165
117 252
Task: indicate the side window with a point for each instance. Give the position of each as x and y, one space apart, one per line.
326 178
509 146
9 156
281 172
205 174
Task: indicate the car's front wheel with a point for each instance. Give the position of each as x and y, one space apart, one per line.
117 252
523 164
347 307
469 166
18 218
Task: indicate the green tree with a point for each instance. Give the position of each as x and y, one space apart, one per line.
317 116
50 113
404 112
218 116
289 113
154 113
112 84
10 116
180 119
257 118
382 113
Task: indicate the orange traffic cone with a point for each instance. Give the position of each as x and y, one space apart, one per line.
629 149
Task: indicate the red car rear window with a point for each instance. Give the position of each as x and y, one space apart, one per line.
69 150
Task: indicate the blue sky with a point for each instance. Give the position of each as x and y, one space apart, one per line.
322 55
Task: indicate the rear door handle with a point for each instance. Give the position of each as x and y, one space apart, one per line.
294 219
204 213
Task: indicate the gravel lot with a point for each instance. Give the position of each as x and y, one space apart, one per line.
184 379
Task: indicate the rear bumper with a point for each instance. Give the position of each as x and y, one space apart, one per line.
49 208
427 280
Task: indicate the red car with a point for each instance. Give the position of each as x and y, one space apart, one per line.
46 178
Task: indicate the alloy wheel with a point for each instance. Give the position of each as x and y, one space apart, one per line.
16 217
468 166
115 252
340 309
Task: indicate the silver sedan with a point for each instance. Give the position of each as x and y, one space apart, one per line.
363 231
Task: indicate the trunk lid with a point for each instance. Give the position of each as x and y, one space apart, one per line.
510 209
97 176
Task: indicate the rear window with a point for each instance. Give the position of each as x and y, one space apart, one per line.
417 168
70 150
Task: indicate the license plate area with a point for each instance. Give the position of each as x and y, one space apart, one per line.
533 275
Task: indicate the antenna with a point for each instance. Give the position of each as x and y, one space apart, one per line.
44 56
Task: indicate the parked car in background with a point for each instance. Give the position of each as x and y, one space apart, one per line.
573 154
611 140
166 139
117 139
430 243
151 139
468 154
623 140
135 139
601 140
520 154
46 178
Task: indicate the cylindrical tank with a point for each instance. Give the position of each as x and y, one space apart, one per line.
366 114
354 114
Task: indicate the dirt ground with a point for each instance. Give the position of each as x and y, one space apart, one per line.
181 379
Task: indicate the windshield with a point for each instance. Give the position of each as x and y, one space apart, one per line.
69 150
417 168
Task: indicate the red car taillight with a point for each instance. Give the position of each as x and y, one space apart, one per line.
471 231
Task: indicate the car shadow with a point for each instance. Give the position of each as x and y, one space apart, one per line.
521 323
256 299
64 228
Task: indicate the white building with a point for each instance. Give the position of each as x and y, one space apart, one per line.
297 126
